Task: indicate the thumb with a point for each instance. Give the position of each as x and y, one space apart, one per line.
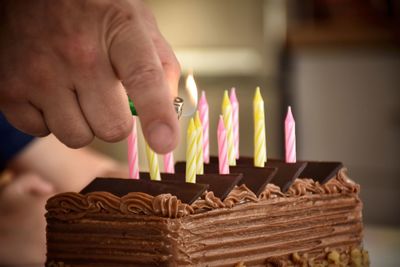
135 59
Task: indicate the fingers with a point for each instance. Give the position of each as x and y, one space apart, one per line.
31 122
66 121
104 102
137 64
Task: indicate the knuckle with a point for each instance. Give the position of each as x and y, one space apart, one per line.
115 131
39 72
143 76
77 141
71 132
175 67
80 51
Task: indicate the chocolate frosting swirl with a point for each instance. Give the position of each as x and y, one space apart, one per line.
302 187
74 205
271 191
342 184
208 202
239 194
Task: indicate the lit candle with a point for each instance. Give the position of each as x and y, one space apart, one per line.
290 137
152 160
199 145
260 150
133 160
222 148
191 145
204 117
235 121
169 162
227 115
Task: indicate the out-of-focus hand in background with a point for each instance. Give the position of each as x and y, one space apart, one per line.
45 167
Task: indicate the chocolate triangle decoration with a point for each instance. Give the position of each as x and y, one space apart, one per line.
254 178
321 171
286 174
220 184
186 192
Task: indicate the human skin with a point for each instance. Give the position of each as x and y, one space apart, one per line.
67 66
45 167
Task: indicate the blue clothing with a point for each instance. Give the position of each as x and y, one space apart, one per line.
12 141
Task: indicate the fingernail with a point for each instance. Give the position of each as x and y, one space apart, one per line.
160 136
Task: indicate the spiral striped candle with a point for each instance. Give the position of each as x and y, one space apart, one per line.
222 148
260 150
191 146
133 160
290 137
227 115
204 117
235 121
199 145
169 163
152 160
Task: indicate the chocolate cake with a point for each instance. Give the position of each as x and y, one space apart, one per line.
313 219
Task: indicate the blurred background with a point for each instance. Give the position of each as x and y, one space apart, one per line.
336 62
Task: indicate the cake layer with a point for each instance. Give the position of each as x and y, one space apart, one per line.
250 232
308 223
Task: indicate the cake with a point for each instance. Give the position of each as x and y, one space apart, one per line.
302 214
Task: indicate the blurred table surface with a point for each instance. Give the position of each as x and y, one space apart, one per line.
383 245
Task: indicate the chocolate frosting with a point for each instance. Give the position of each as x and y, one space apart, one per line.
74 205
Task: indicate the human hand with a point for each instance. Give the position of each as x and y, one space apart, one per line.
67 66
22 223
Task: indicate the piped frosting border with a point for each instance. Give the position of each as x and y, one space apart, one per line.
70 205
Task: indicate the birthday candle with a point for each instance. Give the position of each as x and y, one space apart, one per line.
260 150
235 121
133 160
222 148
169 162
290 137
204 117
199 145
191 146
227 115
153 164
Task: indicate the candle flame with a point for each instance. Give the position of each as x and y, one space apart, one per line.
191 98
191 89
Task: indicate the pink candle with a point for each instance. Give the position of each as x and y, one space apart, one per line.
235 121
169 163
222 147
133 159
204 118
290 137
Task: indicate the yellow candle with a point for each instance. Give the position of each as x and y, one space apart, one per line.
199 145
152 160
191 147
227 116
260 148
